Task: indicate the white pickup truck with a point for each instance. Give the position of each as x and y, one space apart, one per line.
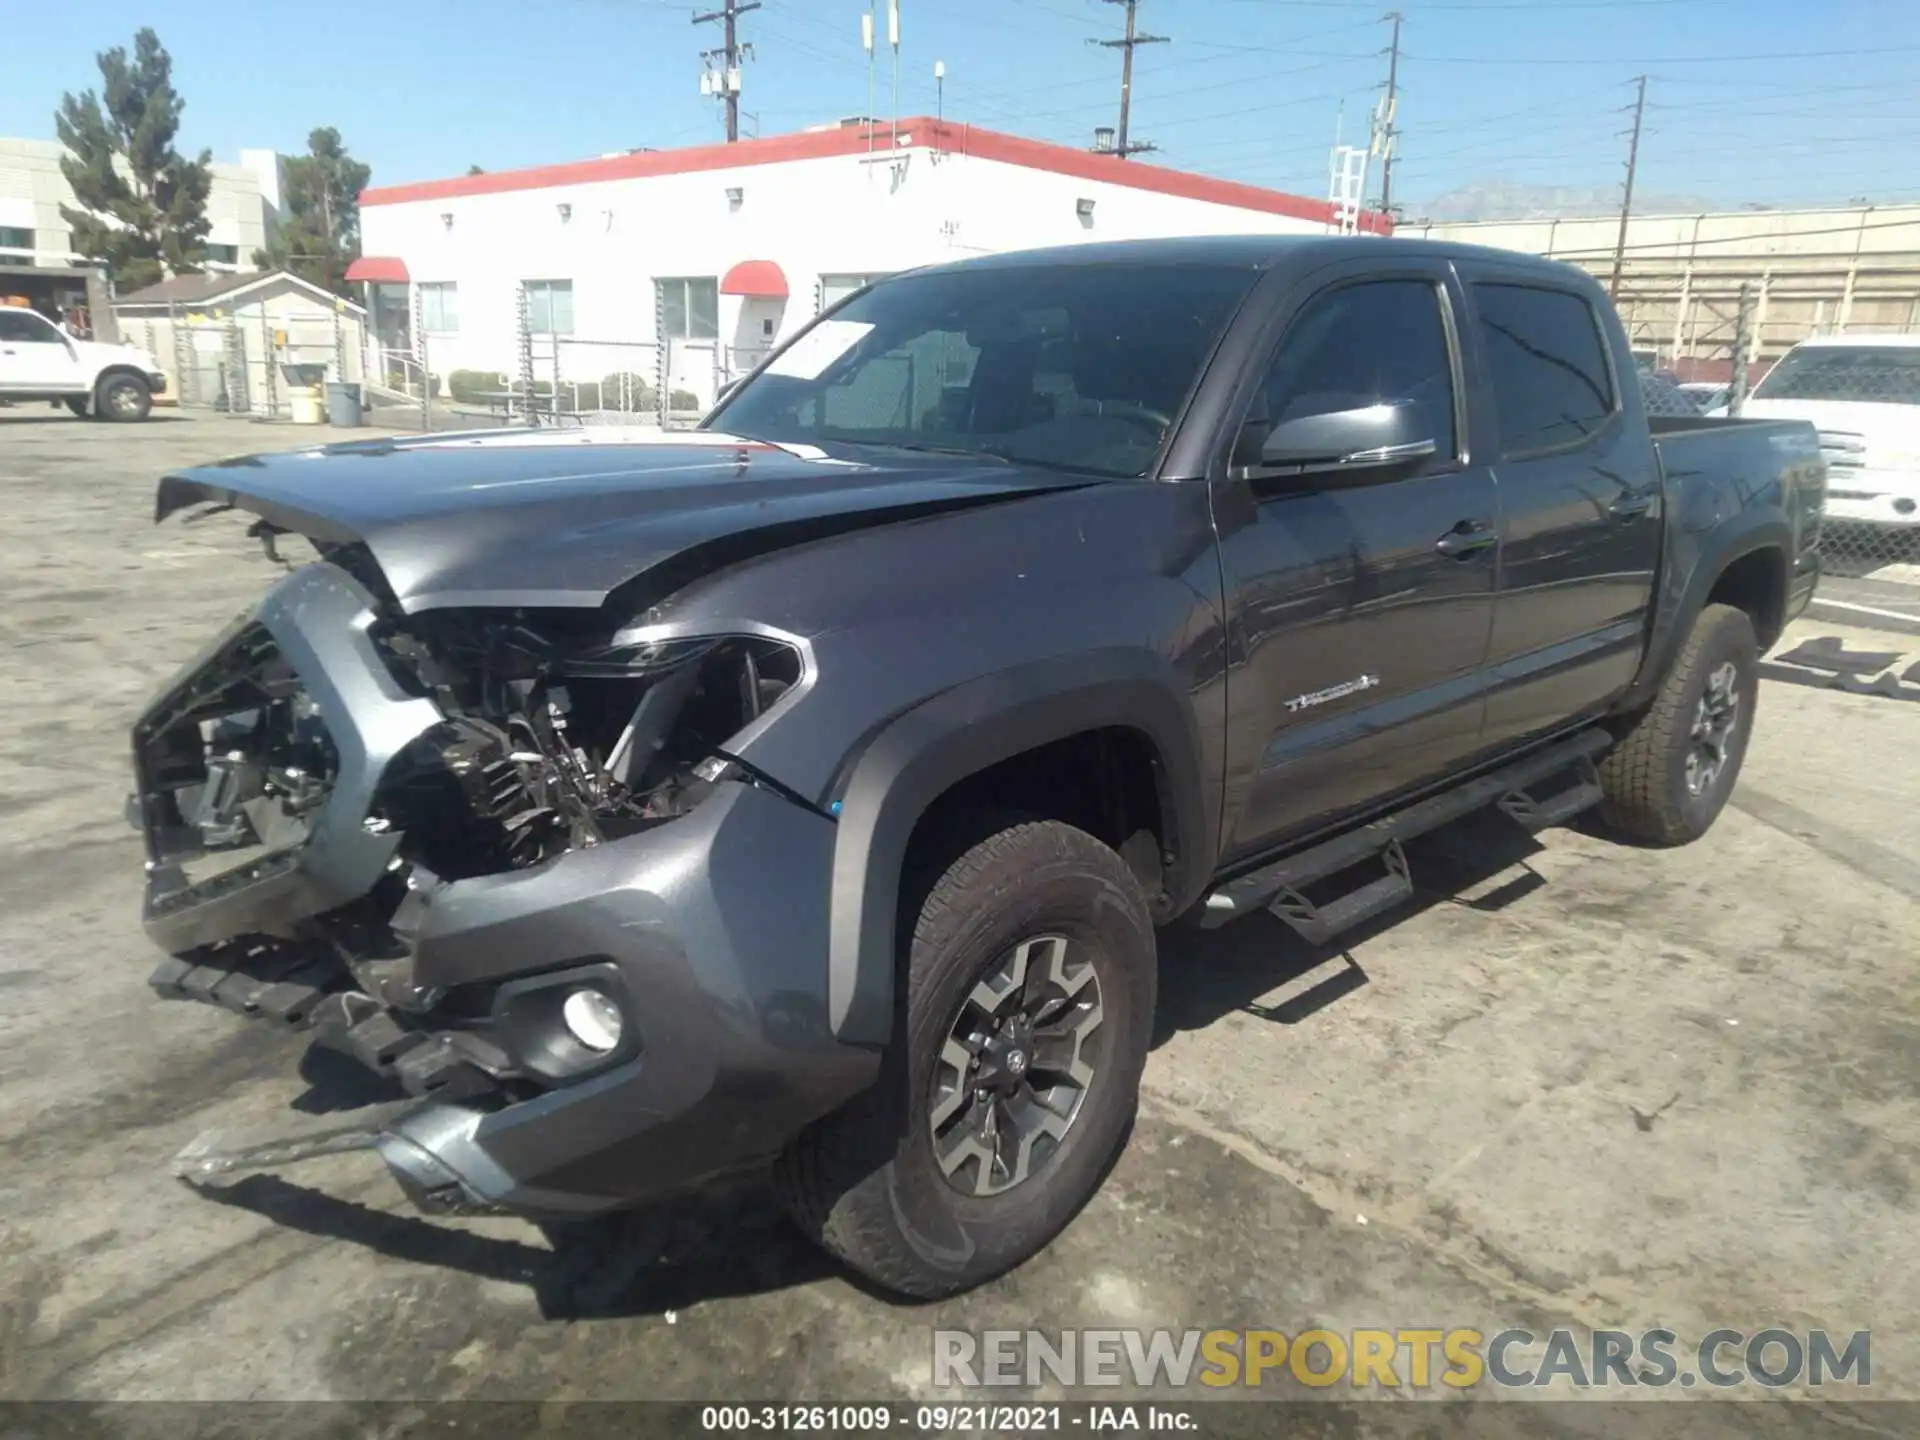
1862 393
40 360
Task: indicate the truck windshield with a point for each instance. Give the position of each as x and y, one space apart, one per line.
1883 374
1066 367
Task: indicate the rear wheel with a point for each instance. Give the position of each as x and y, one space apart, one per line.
122 397
1668 779
1029 1005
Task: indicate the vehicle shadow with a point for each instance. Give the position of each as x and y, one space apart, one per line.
33 414
734 1240
1206 974
708 1246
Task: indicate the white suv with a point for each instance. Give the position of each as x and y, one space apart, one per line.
39 360
1862 392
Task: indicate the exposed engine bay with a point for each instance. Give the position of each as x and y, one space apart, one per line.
556 742
557 733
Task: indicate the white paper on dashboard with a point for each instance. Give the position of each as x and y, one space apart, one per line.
814 351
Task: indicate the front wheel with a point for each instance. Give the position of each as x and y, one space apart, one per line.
1668 779
123 398
1029 1008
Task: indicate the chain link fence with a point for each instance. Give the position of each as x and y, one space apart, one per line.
571 379
1865 398
244 360
1862 393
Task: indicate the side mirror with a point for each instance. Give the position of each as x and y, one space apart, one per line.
1372 437
727 390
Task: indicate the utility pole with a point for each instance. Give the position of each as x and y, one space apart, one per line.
1124 147
1626 202
727 83
1384 132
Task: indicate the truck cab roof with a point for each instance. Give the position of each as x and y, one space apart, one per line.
1263 252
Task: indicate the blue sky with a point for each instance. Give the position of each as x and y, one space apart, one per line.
1751 100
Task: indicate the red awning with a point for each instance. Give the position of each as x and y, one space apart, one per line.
379 270
760 278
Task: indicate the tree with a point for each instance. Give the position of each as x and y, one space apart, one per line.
319 233
475 170
143 205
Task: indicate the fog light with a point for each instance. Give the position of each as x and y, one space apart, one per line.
593 1020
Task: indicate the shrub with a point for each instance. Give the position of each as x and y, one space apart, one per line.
625 391
468 386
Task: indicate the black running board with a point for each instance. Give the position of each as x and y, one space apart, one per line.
1278 885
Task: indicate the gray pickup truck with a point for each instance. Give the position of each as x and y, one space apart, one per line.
807 789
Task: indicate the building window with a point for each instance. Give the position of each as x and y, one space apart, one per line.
440 308
835 288
549 307
12 237
690 309
223 254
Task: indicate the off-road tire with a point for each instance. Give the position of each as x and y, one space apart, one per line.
123 398
79 405
864 1182
1645 774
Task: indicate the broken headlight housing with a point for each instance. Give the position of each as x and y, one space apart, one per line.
556 740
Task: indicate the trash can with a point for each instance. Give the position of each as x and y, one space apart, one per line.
304 396
308 408
344 410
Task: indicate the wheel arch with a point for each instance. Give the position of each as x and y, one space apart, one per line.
108 372
922 754
1756 555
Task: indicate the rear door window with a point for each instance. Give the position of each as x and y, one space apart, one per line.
1547 364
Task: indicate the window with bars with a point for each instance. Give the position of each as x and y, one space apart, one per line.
689 308
549 307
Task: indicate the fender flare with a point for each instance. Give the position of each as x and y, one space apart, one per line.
1718 550
119 367
959 732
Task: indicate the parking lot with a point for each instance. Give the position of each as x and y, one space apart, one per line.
1580 1085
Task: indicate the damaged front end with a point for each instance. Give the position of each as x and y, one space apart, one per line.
505 859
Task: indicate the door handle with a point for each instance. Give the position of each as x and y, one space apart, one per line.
1629 507
1467 538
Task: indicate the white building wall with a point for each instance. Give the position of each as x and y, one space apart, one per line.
813 217
32 190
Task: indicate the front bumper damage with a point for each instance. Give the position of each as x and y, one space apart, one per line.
709 932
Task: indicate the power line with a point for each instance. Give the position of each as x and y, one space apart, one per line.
727 83
1490 6
1127 45
1659 60
1626 202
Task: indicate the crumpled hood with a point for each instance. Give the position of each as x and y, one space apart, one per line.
512 518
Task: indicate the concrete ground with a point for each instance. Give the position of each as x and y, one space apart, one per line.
1579 1085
